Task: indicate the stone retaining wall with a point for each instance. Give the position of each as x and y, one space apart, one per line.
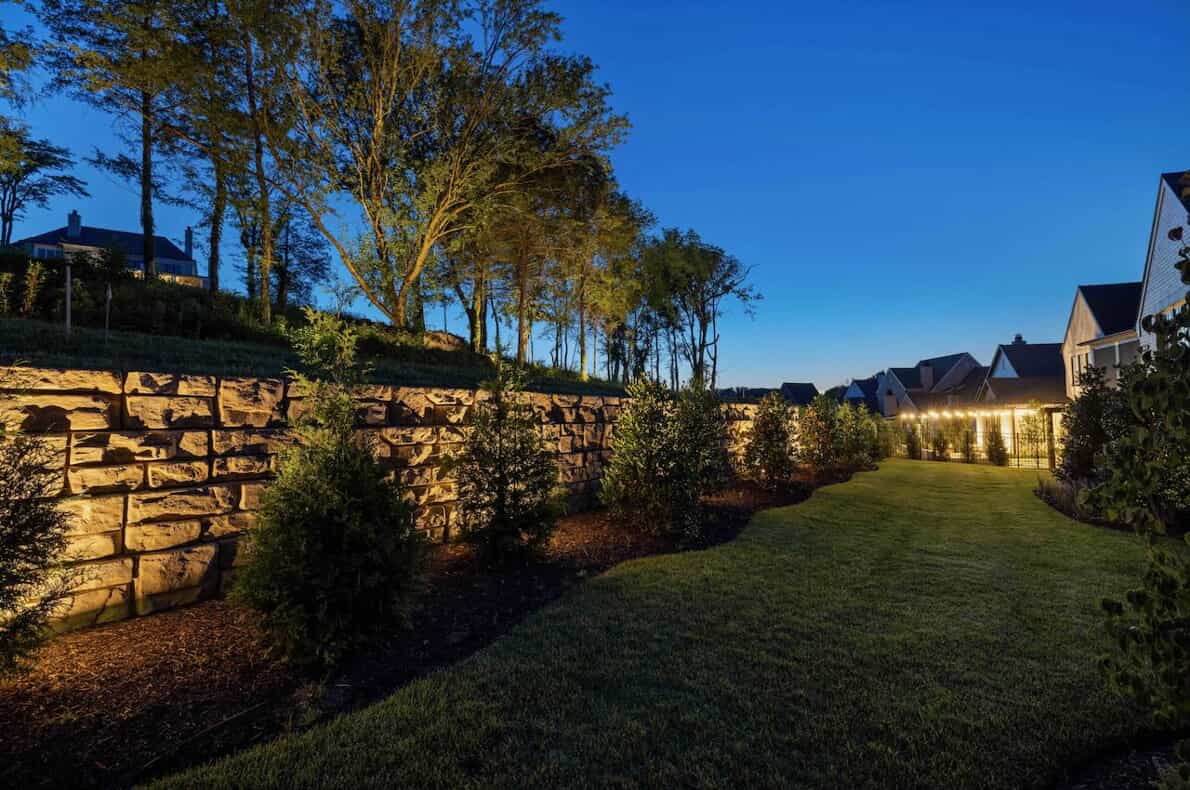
161 473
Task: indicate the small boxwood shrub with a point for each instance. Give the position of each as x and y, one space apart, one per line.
667 451
768 458
996 449
335 555
508 499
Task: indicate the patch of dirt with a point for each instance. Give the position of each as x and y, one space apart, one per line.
122 703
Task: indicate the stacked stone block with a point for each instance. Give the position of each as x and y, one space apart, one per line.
162 473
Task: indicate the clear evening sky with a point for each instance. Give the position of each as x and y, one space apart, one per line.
906 179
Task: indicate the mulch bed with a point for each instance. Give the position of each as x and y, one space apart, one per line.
122 703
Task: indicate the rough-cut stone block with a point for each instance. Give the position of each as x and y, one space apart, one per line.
139 383
19 378
372 413
251 402
297 410
88 515
380 392
241 466
250 495
169 411
103 573
162 535
176 569
409 435
175 473
92 607
93 547
414 454
420 476
182 503
250 442
59 413
103 479
217 527
125 447
147 604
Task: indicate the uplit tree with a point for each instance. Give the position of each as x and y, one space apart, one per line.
31 173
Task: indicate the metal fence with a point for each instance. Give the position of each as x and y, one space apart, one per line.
1031 435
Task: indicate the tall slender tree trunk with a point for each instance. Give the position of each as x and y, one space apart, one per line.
523 328
146 184
582 335
283 274
479 314
218 211
262 186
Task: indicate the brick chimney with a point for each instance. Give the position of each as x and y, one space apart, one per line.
1018 340
74 225
189 242
926 372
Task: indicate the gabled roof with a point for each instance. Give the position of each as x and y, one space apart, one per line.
910 378
799 393
1035 359
868 398
1179 182
1046 390
940 364
131 243
1115 305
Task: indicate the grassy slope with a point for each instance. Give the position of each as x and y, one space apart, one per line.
924 625
42 344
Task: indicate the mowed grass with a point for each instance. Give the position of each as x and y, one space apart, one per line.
926 625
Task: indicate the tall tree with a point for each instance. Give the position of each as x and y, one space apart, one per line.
302 260
16 58
124 58
413 109
31 172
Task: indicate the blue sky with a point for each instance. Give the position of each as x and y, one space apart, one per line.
905 179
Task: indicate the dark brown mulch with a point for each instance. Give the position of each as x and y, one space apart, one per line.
122 703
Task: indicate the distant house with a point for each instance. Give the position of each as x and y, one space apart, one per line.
743 394
1162 290
864 393
935 383
798 393
173 264
1101 331
1024 373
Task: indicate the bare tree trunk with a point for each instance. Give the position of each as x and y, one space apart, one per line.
218 212
582 336
263 209
496 320
146 184
283 275
524 325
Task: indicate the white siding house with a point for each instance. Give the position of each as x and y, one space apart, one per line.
1163 290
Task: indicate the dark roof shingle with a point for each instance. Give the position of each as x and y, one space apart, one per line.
1036 359
131 243
1115 306
799 393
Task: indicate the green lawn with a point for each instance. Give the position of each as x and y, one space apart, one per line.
927 625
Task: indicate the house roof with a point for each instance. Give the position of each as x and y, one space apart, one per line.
131 243
940 364
910 378
868 388
1024 390
1179 182
1036 359
1115 305
963 393
799 393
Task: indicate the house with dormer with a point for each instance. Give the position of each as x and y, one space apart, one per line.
173 264
1101 331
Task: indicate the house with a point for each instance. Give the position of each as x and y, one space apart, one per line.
743 394
1025 373
798 393
863 393
1101 331
937 382
1162 290
173 264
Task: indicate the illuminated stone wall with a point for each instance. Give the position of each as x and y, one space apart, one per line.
161 474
